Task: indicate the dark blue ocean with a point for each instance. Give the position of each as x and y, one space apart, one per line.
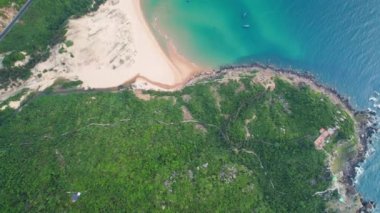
342 39
336 40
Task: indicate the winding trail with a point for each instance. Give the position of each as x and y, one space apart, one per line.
21 12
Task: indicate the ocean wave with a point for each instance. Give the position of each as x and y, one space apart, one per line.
373 99
371 151
359 173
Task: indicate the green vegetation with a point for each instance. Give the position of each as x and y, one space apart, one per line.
125 153
41 27
71 84
17 97
10 59
8 3
65 84
62 50
69 43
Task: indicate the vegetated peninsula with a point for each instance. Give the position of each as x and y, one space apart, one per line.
81 129
247 140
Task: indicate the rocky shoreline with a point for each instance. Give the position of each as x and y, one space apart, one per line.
366 122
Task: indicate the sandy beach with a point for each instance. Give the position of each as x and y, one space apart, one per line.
111 47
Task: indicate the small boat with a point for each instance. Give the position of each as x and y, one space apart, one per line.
246 26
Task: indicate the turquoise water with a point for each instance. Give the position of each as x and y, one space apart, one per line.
338 41
221 37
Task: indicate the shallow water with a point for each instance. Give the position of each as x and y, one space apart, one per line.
338 41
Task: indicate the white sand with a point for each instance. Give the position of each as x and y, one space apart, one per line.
24 61
112 46
16 103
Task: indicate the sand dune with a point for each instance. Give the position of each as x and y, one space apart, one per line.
115 45
112 46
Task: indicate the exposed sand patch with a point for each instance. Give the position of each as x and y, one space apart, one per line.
265 78
6 15
218 98
186 114
186 98
248 134
22 62
241 88
16 103
4 107
188 118
140 94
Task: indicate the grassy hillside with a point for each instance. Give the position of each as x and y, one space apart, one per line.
43 25
231 147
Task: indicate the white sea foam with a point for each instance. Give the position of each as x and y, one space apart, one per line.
359 172
373 99
370 110
371 150
377 106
